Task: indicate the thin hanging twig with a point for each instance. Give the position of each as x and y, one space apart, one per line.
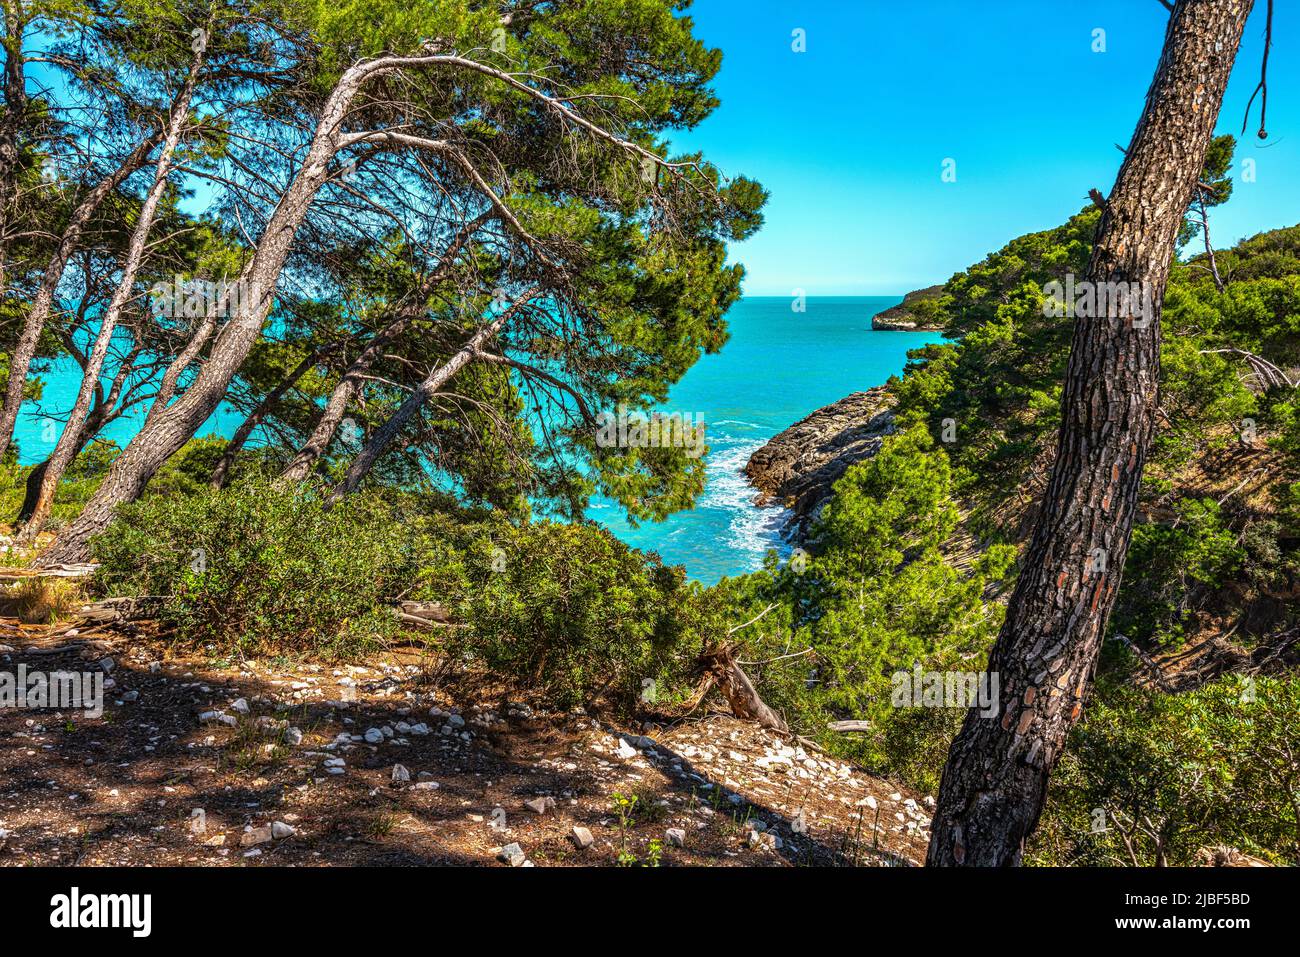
1262 89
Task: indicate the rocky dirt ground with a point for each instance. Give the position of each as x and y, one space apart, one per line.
204 762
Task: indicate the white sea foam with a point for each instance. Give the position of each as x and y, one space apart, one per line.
748 425
751 531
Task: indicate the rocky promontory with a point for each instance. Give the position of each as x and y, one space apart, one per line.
798 467
916 313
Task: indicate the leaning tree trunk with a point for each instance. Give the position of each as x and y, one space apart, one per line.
25 349
167 429
221 472
197 341
104 412
73 436
383 436
11 126
32 487
995 781
331 417
439 376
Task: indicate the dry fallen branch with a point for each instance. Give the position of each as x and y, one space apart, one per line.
844 726
16 574
1267 372
723 671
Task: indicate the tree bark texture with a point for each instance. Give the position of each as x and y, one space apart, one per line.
72 438
42 303
995 781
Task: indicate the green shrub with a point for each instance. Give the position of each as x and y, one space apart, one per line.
573 612
877 597
94 460
567 610
912 744
264 567
1171 567
1150 777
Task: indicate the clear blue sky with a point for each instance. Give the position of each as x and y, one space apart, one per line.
850 136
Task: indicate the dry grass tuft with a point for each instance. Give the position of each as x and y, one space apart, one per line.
44 601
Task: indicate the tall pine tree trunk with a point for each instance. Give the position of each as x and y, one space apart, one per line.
167 429
73 436
25 349
995 782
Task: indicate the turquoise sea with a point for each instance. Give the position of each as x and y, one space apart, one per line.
778 366
39 423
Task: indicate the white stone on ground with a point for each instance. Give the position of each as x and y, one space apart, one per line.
512 854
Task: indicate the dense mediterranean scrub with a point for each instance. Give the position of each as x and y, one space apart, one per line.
1155 778
479 264
875 595
903 570
268 568
1162 766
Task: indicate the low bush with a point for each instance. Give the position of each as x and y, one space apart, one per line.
877 597
264 567
563 609
569 610
1171 568
1150 778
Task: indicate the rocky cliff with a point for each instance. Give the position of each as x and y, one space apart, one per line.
916 313
797 467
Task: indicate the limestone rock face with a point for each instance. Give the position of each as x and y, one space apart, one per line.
798 467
